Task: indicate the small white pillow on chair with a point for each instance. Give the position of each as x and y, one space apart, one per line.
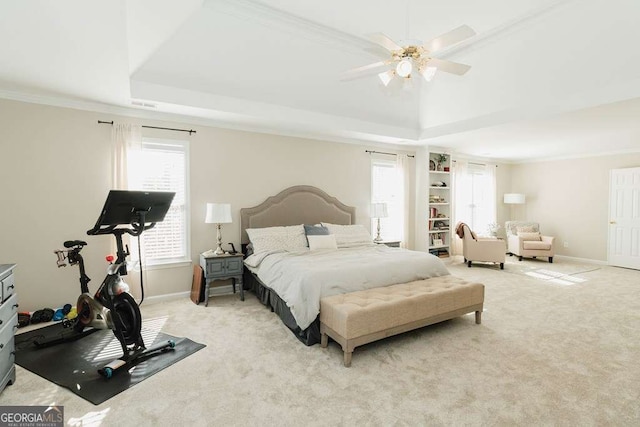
322 242
529 236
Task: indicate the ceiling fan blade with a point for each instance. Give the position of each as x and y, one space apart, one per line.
447 39
378 51
448 66
384 41
366 70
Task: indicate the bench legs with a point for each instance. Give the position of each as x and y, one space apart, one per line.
347 358
348 345
324 343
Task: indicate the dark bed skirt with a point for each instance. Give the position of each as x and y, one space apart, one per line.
271 299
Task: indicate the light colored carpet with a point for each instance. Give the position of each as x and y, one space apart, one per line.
546 354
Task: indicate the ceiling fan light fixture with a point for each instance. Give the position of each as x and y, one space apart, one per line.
428 73
404 68
407 84
386 77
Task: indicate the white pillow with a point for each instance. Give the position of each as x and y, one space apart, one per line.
529 236
348 236
290 239
322 242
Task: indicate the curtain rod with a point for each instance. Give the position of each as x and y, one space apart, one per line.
477 164
382 152
153 127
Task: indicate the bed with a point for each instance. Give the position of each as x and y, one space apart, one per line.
292 282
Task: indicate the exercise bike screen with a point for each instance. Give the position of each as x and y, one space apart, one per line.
122 207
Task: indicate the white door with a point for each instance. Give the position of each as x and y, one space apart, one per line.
624 218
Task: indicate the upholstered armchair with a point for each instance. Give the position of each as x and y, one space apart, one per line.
481 249
524 240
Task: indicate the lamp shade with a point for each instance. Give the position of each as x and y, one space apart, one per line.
218 213
514 198
379 210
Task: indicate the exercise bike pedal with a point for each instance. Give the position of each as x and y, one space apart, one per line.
135 357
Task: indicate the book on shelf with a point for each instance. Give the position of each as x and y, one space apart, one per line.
440 252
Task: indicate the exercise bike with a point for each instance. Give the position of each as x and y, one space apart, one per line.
112 306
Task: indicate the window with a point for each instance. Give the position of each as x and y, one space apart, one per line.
475 195
162 165
385 188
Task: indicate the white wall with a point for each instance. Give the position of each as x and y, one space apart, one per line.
55 175
570 199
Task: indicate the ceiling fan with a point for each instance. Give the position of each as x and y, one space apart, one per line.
406 60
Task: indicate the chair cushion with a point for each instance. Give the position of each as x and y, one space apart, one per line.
529 236
538 246
511 227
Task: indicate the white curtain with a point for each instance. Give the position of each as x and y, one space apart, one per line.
474 198
127 140
403 171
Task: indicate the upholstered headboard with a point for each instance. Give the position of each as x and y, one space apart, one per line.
301 204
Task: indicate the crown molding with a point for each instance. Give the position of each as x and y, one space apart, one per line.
281 20
284 21
495 34
576 156
338 136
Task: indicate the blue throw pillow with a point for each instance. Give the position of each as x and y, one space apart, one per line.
315 230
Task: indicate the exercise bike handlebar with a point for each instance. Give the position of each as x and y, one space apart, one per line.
134 230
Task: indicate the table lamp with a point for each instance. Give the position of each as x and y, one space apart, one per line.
218 213
379 210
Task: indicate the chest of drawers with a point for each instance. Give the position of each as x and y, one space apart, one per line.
8 325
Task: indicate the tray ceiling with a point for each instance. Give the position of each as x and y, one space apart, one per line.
275 66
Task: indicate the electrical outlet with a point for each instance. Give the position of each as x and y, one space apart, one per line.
565 244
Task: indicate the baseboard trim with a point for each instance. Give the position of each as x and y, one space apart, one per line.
167 297
587 260
213 291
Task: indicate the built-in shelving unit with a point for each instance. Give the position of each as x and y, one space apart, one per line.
439 212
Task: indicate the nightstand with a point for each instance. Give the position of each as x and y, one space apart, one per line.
222 267
390 243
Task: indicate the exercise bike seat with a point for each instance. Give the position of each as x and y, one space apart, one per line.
72 243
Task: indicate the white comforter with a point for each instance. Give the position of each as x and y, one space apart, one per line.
302 278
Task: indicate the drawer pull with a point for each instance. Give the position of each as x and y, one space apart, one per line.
11 287
16 326
16 305
1 346
1 322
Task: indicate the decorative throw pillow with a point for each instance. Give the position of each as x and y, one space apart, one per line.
270 239
526 229
315 230
327 241
348 236
529 236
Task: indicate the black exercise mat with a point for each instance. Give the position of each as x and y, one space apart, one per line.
75 364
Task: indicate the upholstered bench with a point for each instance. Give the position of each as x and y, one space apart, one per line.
361 317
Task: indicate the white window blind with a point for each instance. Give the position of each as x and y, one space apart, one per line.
162 165
384 189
